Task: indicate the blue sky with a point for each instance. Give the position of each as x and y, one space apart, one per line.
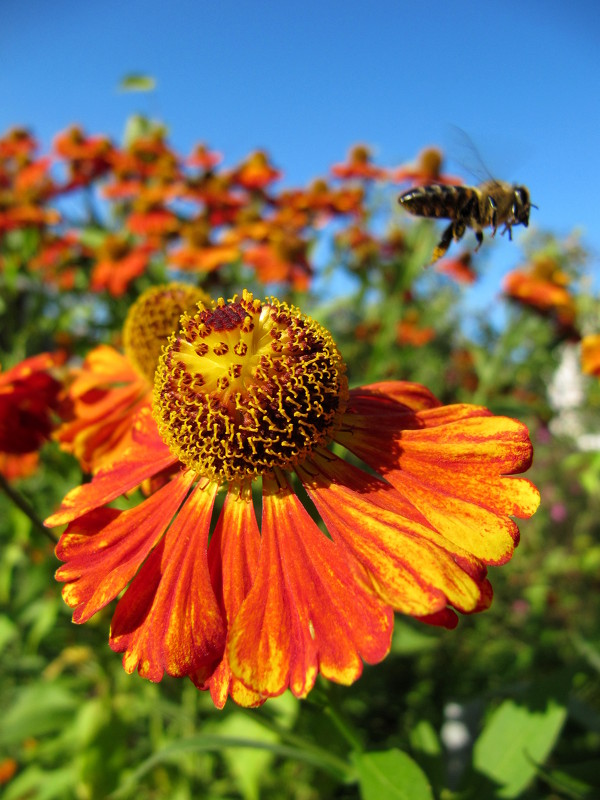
307 80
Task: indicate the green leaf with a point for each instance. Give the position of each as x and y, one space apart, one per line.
38 709
515 740
247 766
391 774
212 743
8 631
137 82
42 784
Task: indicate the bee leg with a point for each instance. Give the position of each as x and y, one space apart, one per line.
444 243
479 237
459 231
508 228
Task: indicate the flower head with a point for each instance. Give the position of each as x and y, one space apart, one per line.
252 392
111 387
543 286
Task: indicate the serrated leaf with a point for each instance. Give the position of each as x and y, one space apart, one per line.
137 82
514 741
391 774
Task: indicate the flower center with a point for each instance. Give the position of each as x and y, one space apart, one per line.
153 318
247 387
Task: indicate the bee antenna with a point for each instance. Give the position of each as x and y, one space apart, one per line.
533 205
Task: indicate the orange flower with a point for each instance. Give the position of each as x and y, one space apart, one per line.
17 143
255 390
256 172
13 215
88 157
147 159
320 199
427 168
118 262
543 286
59 258
110 388
199 252
8 769
28 400
590 354
204 158
359 165
281 260
459 268
409 331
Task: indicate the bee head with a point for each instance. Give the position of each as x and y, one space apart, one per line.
521 205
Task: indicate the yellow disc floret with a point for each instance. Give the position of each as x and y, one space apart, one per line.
247 387
153 318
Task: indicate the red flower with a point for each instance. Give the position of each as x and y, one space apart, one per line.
28 402
254 390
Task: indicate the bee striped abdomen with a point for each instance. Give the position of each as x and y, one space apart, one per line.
442 202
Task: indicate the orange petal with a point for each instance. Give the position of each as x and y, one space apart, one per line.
411 565
307 611
389 396
451 463
233 561
146 456
104 549
169 618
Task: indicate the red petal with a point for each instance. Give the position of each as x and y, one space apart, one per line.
147 455
105 548
390 396
233 561
169 619
307 611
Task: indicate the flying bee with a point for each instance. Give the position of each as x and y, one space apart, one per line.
489 205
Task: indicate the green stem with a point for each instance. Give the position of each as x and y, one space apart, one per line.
336 764
26 508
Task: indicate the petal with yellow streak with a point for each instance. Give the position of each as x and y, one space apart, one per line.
103 550
309 610
146 456
233 561
451 463
411 566
169 620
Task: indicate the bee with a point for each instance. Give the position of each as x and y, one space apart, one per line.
489 205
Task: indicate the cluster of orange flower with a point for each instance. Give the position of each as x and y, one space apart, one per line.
209 399
188 211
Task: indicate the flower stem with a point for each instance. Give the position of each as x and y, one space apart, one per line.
26 508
